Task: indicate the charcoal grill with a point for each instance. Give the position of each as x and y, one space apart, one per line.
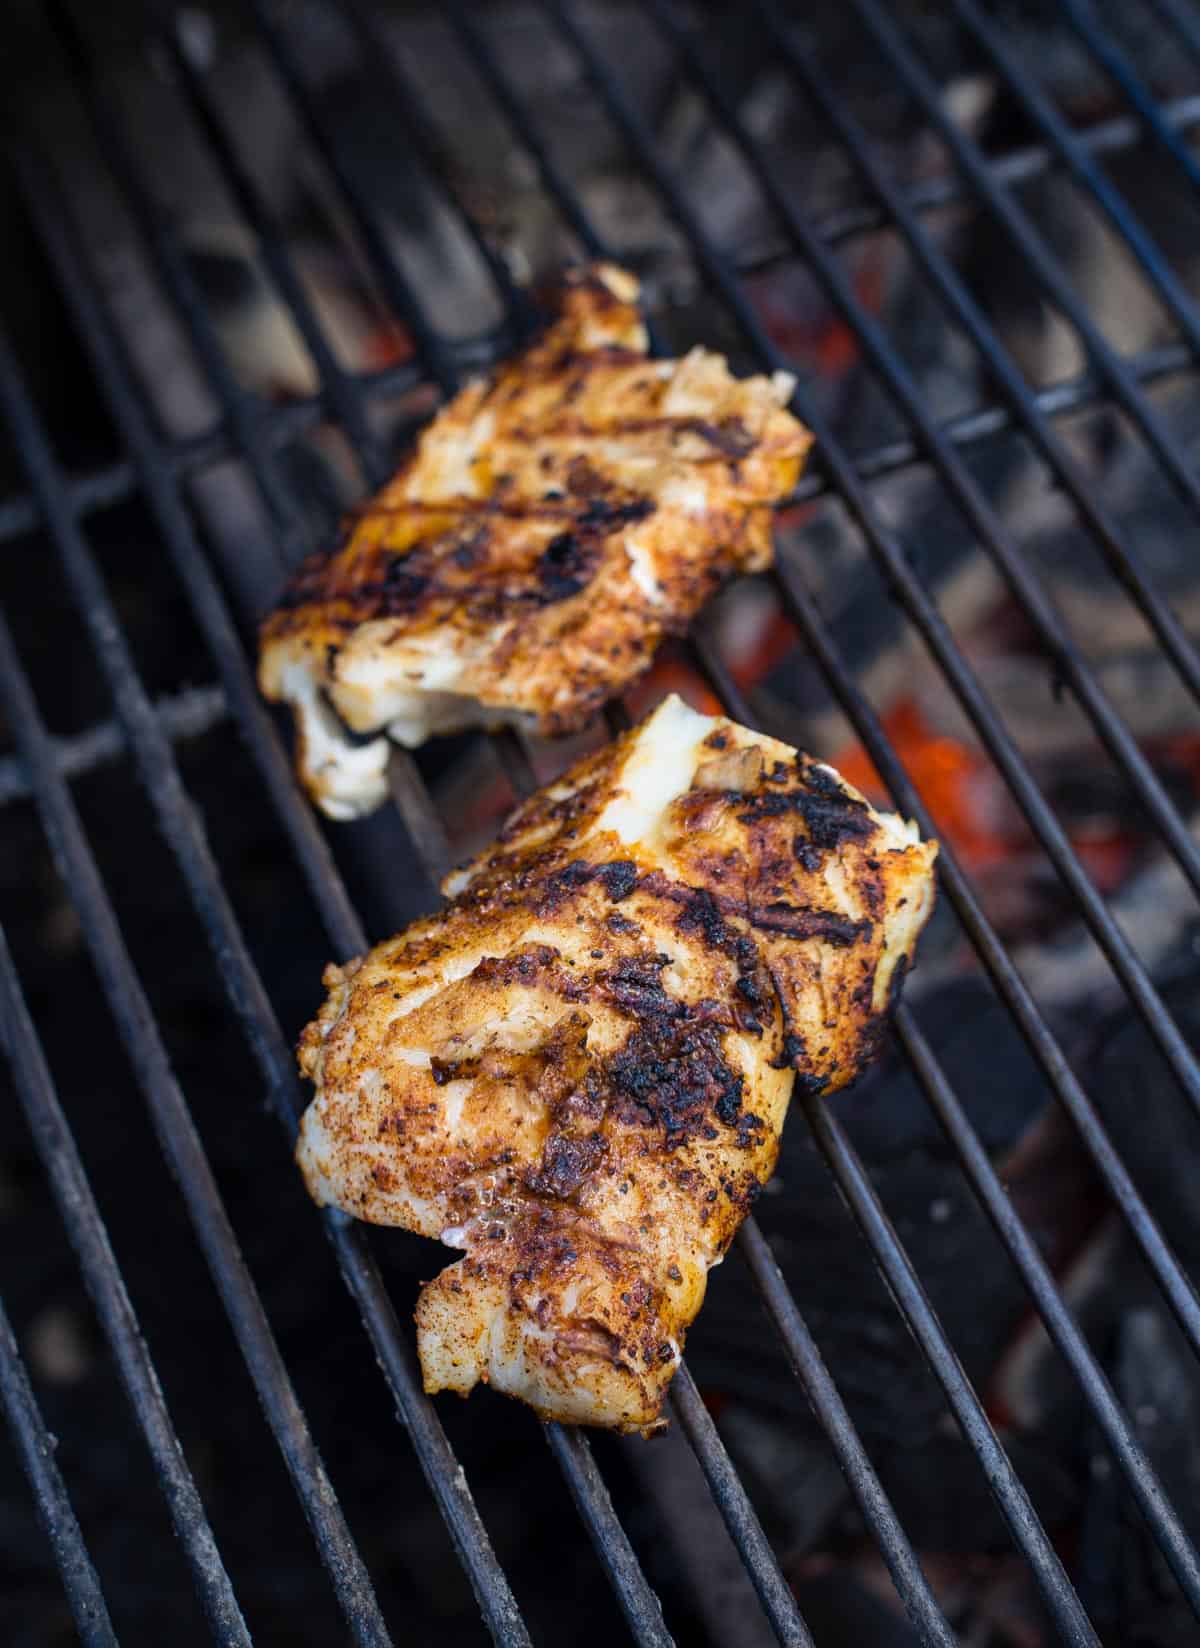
55 506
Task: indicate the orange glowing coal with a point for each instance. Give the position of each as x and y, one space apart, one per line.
955 783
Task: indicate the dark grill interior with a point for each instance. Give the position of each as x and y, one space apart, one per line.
972 232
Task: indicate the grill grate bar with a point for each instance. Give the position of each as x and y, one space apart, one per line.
1032 249
341 390
1137 94
102 1274
359 1270
984 423
738 1513
1143 1480
1176 1287
112 483
397 288
239 406
1056 1589
560 191
906 584
60 239
809 1367
406 107
188 714
642 1609
1111 136
1001 369
568 1444
36 1447
1171 292
983 519
134 1017
421 818
437 1459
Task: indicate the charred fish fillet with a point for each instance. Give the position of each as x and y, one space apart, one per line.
577 1072
554 522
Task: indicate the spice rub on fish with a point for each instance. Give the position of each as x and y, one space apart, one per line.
577 1072
554 522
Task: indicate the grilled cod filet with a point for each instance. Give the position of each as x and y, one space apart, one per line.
554 523
578 1070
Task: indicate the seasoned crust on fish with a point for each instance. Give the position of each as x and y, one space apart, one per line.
554 522
579 1069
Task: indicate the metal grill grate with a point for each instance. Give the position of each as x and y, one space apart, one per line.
58 506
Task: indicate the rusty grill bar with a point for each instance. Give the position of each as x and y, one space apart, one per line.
61 504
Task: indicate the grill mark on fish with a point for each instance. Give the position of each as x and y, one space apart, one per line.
568 1160
426 572
566 566
614 510
730 437
831 817
704 912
